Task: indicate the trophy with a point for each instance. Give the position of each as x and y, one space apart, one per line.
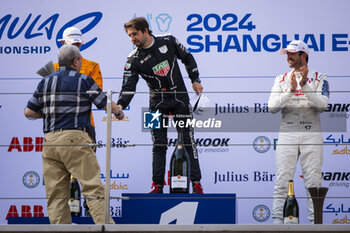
46 69
318 195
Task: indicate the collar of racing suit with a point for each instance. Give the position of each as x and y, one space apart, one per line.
152 50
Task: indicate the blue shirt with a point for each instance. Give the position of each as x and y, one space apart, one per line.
63 99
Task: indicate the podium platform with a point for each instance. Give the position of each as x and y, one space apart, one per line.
181 209
163 209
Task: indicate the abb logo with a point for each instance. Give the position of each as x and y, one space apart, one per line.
27 144
25 211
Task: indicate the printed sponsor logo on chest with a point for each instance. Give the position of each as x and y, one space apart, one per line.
145 59
298 93
162 68
163 49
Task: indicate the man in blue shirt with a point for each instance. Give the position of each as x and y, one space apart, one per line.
63 99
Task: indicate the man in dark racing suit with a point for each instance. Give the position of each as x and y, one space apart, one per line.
155 59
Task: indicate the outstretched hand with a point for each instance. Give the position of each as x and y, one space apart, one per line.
120 114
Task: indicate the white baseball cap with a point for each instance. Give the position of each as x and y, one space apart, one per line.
72 35
295 46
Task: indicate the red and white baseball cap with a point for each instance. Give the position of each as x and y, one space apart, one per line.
72 35
295 46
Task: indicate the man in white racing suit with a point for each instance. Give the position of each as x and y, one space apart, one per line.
301 94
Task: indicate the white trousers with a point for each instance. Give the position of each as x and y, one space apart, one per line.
308 146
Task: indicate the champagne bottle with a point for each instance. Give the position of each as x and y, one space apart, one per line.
75 197
87 210
291 208
179 167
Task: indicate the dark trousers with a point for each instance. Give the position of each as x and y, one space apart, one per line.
181 111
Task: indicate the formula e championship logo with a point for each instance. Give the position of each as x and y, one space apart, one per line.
41 28
31 179
261 144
